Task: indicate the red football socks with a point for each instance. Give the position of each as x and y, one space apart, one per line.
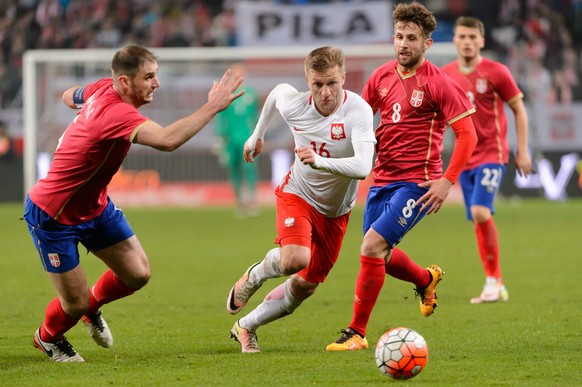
488 245
368 285
56 322
108 288
402 267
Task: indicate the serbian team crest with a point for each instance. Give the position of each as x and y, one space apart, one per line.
338 131
416 98
481 85
54 259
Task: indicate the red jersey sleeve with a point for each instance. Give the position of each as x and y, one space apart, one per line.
464 146
122 122
506 86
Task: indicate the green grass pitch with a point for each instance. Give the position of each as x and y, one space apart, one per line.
175 330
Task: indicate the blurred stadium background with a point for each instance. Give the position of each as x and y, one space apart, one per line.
48 45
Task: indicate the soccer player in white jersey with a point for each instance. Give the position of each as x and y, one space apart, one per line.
334 148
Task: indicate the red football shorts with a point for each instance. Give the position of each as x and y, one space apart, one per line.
299 223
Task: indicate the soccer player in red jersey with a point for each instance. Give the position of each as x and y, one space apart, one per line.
416 101
489 85
71 206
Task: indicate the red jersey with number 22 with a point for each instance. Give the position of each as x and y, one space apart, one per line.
414 110
89 153
488 86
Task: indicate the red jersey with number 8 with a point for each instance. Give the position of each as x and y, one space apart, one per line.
415 109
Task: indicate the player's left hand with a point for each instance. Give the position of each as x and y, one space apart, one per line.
306 155
433 199
224 92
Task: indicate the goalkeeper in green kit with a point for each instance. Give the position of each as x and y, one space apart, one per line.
234 125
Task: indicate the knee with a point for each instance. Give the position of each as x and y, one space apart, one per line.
371 248
367 248
294 262
307 292
301 289
138 278
480 214
374 245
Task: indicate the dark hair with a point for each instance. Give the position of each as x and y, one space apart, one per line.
324 58
415 13
470 22
130 59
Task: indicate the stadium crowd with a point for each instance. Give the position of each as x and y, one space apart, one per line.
540 40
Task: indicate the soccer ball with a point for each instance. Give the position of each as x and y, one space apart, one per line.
401 353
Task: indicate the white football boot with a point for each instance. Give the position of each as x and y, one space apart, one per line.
493 291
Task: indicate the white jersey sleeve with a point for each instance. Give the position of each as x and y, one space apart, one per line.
281 92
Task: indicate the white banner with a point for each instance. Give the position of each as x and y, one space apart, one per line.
268 24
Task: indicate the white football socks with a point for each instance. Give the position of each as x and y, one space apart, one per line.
278 303
269 267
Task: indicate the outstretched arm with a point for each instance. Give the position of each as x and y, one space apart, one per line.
174 135
254 145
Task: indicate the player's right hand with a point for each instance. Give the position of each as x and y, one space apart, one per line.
249 153
433 199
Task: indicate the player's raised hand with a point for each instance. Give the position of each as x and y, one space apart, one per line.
223 93
250 151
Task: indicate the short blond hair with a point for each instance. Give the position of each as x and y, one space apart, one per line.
324 58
